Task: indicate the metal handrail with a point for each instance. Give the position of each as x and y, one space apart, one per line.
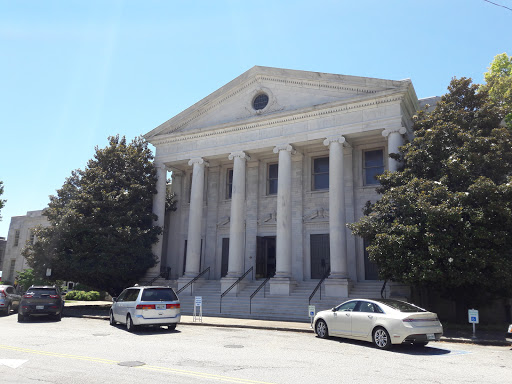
193 281
163 275
318 286
234 284
256 291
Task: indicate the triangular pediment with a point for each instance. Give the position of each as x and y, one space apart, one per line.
288 91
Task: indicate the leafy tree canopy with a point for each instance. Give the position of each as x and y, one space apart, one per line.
498 80
102 230
2 202
445 218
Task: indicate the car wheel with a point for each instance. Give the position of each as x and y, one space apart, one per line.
111 319
171 327
381 338
129 324
21 318
58 317
321 329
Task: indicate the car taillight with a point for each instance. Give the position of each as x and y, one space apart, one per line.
54 296
172 306
28 295
145 306
2 293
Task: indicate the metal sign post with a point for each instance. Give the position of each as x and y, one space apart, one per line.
473 319
198 303
311 313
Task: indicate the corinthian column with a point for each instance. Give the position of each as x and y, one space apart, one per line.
236 226
284 212
395 140
195 217
159 211
337 216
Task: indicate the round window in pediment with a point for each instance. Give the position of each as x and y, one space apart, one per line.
260 101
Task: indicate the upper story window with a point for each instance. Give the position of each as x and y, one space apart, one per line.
16 237
229 184
373 165
320 177
260 101
32 237
272 172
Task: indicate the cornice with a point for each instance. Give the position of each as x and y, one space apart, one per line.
282 119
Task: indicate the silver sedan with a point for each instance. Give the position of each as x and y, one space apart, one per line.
383 322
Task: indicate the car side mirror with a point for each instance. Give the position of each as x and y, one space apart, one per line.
334 309
114 299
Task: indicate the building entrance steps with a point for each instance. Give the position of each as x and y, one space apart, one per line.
265 306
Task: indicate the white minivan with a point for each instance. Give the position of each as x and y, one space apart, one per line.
148 305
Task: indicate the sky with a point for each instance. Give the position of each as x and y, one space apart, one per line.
73 73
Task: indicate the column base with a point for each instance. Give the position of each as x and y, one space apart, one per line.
281 286
336 287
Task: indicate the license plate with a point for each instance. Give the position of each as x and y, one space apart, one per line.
160 306
39 306
431 336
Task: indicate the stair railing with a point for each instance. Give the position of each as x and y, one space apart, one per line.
191 282
163 274
234 284
318 287
262 285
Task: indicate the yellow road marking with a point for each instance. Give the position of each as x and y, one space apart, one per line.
148 367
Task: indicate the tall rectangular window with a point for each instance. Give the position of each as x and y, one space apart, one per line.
11 270
320 173
229 184
32 236
272 172
16 237
373 166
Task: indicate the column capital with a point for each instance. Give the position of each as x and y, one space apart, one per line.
387 131
240 154
160 165
198 160
334 139
284 147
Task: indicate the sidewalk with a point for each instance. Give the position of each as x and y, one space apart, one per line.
99 310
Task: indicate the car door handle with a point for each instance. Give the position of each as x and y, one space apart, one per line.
370 316
347 314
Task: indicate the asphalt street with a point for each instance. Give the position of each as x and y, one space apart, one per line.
79 351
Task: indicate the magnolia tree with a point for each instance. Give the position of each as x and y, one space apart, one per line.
444 220
102 224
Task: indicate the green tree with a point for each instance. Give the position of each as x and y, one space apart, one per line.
2 202
444 219
102 225
498 80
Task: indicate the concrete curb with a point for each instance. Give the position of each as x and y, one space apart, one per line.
284 328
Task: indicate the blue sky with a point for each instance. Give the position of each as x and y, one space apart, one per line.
75 72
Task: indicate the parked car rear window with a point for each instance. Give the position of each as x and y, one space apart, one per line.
158 294
42 291
401 306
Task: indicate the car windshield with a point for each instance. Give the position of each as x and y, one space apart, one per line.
401 306
42 291
158 294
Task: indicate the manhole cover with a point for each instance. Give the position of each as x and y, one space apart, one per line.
233 346
131 363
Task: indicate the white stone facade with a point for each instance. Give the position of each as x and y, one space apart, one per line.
325 135
21 231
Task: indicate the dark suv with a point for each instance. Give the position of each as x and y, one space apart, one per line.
41 300
9 299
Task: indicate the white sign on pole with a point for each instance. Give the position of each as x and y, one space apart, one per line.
311 313
198 303
473 316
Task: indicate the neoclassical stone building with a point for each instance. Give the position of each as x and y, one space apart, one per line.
270 168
